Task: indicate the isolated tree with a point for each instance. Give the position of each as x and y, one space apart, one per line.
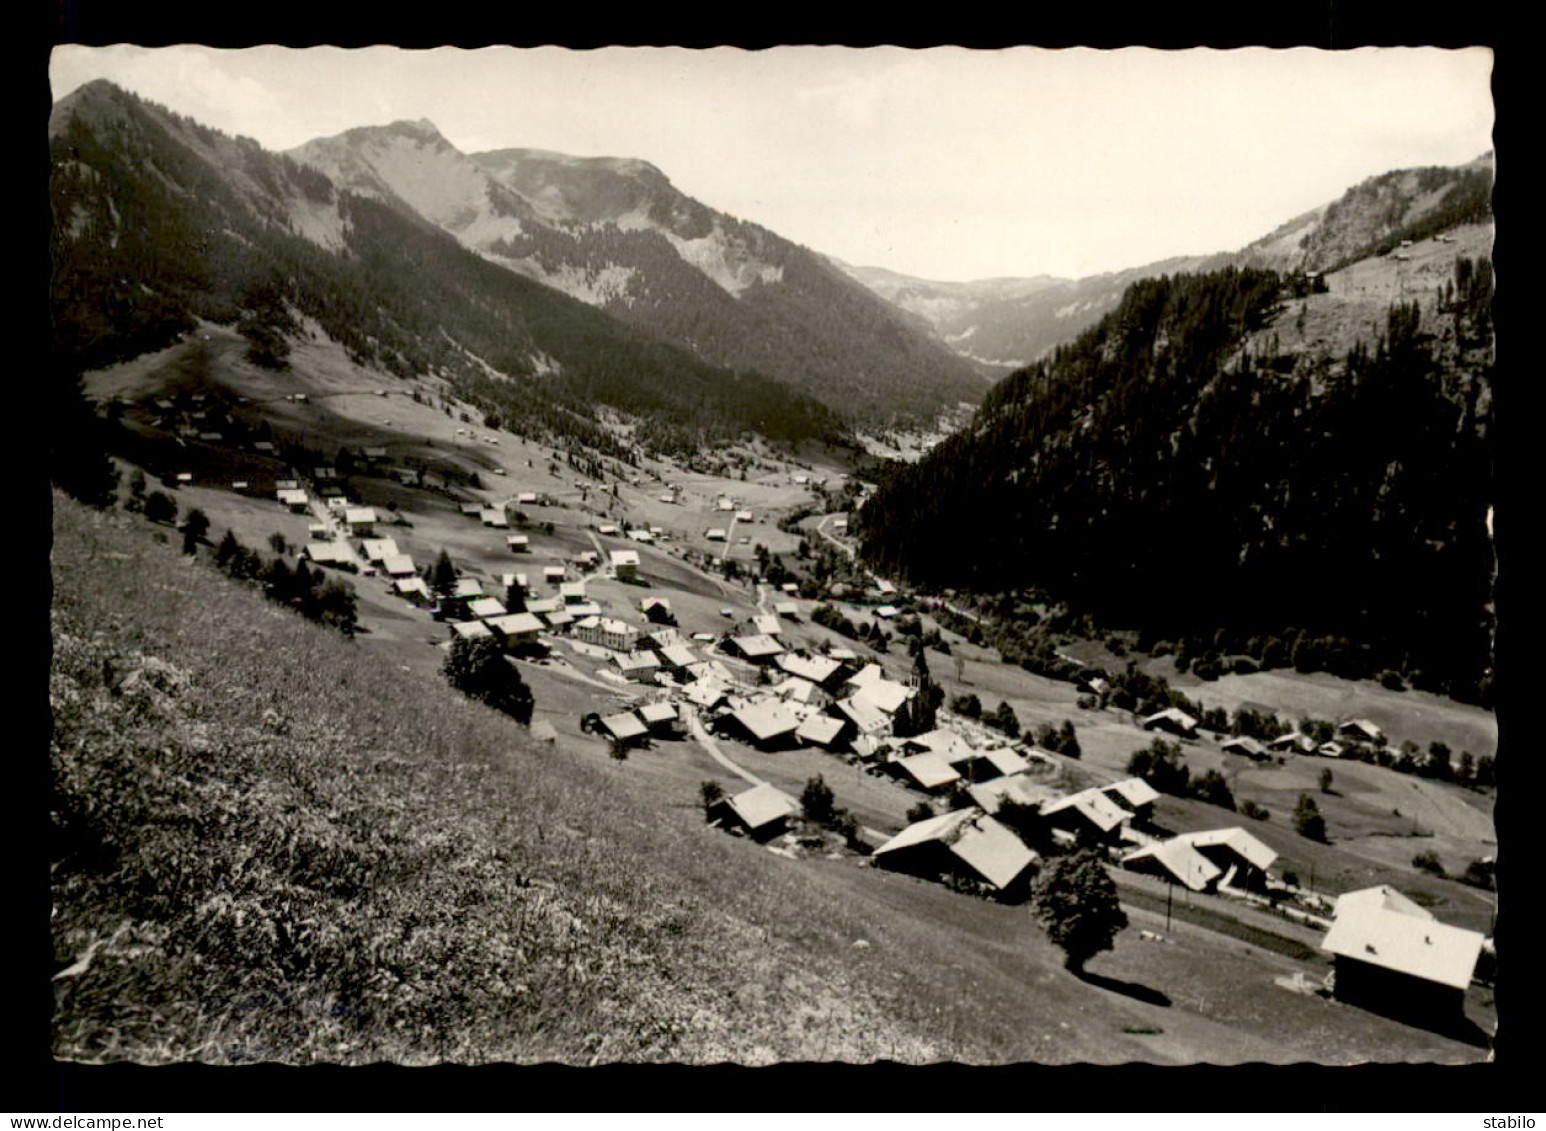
78 459
227 551
159 507
195 526
1428 861
710 793
1486 771
1213 789
135 503
922 811
1077 904
1325 780
278 543
442 577
477 668
817 800
1308 821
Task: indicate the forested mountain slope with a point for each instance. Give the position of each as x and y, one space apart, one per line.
616 234
1329 510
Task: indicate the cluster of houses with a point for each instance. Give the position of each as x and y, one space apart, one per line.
1353 732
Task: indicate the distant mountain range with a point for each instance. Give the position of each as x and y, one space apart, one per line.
539 286
614 233
1004 324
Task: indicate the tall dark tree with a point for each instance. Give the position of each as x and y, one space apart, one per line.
478 669
195 526
78 459
1076 901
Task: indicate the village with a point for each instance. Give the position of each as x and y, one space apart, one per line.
618 606
708 630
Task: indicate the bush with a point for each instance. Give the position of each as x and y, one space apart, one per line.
817 800
710 794
1428 861
159 507
1254 811
1213 789
1308 821
922 811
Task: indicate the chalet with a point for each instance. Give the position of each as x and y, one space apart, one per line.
761 812
318 531
296 499
625 564
584 609
867 718
1094 685
767 626
607 632
756 649
413 589
989 796
398 565
286 485
360 520
657 610
1330 750
824 731
986 765
553 575
887 612
724 503
677 658
485 607
518 543
886 695
663 719
1247 746
1174 862
494 518
884 587
743 516
517 630
572 593
639 534
469 630
587 560
1088 814
1172 719
668 498
802 480
801 691
768 725
378 549
1391 955
966 843
1134 795
527 499
328 553
1361 730
607 528
472 510
706 693
467 588
559 620
1242 860
639 666
542 606
819 670
714 534
787 609
929 772
1293 741
624 727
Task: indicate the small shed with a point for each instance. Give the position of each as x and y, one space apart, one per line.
761 812
1173 720
1246 746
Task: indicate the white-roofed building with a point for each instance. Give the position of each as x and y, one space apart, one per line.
625 564
1174 862
1022 790
767 625
639 666
767 724
328 553
867 718
572 592
1361 730
787 609
1241 857
714 534
1294 741
1247 746
607 632
494 517
399 565
469 629
818 669
757 648
1135 795
824 731
554 574
625 727
677 657
662 718
378 549
966 843
885 695
761 812
929 772
1172 719
415 590
1089 814
360 520
1393 956
516 629
518 543
485 607
294 498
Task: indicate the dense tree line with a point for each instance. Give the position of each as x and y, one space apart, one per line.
1151 474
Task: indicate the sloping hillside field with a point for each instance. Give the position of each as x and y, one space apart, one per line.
273 845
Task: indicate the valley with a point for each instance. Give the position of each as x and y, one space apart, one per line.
507 610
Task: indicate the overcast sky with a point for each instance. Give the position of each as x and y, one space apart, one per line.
945 163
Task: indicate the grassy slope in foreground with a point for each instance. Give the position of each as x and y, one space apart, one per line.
272 850
284 852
